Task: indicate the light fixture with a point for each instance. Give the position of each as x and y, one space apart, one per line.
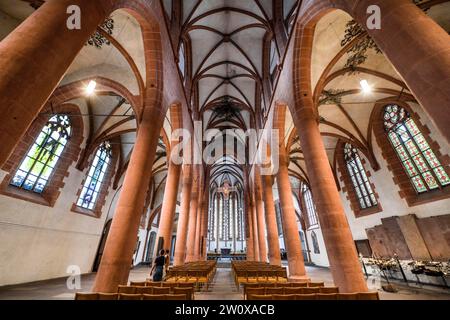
90 89
366 88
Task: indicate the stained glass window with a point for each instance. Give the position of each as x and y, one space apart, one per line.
96 175
35 170
419 161
310 208
361 184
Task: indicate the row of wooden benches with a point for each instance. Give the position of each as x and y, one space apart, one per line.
317 296
288 290
189 291
126 296
201 273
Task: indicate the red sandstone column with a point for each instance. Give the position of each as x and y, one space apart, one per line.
198 225
183 218
291 235
248 218
344 263
121 242
260 217
271 221
190 254
34 58
418 48
249 229
169 205
205 219
255 227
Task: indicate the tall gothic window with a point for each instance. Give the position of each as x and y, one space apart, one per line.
307 196
35 170
423 168
361 183
315 243
96 174
182 60
274 59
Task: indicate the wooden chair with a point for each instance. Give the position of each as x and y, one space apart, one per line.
176 297
291 290
108 296
326 296
161 290
257 291
169 284
298 284
283 297
347 296
305 296
259 297
186 284
310 290
153 283
86 296
271 284
126 289
316 284
144 290
368 296
189 292
329 290
154 297
138 283
281 276
274 290
126 296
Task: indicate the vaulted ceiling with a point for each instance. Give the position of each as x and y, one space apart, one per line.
227 45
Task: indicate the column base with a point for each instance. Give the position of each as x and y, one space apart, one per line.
299 279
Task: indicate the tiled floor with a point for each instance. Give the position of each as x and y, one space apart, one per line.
222 288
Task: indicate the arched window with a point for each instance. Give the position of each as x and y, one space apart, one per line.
423 168
35 170
182 60
274 59
310 208
360 181
96 175
315 243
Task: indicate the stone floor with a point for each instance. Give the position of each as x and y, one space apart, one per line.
222 288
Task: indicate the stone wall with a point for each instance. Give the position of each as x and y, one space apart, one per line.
412 238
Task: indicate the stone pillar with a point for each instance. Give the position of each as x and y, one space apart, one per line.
418 48
205 220
255 227
183 218
117 257
190 254
260 217
290 228
198 226
248 217
344 262
198 223
35 57
169 206
271 221
249 230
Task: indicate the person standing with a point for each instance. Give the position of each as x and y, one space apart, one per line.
158 267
